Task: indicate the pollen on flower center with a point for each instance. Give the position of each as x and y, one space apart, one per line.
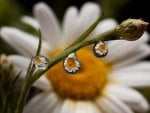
87 83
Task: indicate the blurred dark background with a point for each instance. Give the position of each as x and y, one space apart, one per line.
12 10
120 9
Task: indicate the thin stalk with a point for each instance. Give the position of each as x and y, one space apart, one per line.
120 31
109 35
39 45
86 33
26 84
9 94
22 97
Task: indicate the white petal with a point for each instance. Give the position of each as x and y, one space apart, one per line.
107 105
144 37
23 42
136 67
121 48
133 78
43 83
86 107
69 106
31 21
122 107
21 64
57 108
105 25
142 52
42 103
89 13
49 24
131 97
69 24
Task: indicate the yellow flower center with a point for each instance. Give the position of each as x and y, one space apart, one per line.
87 83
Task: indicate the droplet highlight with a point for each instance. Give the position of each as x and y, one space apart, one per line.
100 49
71 64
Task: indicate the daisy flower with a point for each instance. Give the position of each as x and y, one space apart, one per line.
102 85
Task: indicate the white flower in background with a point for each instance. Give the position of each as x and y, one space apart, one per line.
101 85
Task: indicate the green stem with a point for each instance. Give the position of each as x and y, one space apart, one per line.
113 34
109 35
25 87
86 33
40 43
22 97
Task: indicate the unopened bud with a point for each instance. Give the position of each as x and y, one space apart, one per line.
9 83
7 73
131 29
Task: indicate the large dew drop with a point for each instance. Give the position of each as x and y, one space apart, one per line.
71 64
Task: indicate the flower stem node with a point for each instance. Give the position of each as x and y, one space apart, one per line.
131 29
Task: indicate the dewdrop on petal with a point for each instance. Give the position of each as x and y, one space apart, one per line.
71 64
40 62
131 29
100 49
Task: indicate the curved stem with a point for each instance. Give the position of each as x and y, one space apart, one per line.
22 97
109 35
40 43
25 87
120 31
86 33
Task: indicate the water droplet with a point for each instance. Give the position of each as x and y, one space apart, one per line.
100 49
71 64
40 62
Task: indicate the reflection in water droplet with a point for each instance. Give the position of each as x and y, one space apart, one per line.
40 62
71 64
100 49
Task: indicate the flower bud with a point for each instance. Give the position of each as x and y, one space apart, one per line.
131 29
7 73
